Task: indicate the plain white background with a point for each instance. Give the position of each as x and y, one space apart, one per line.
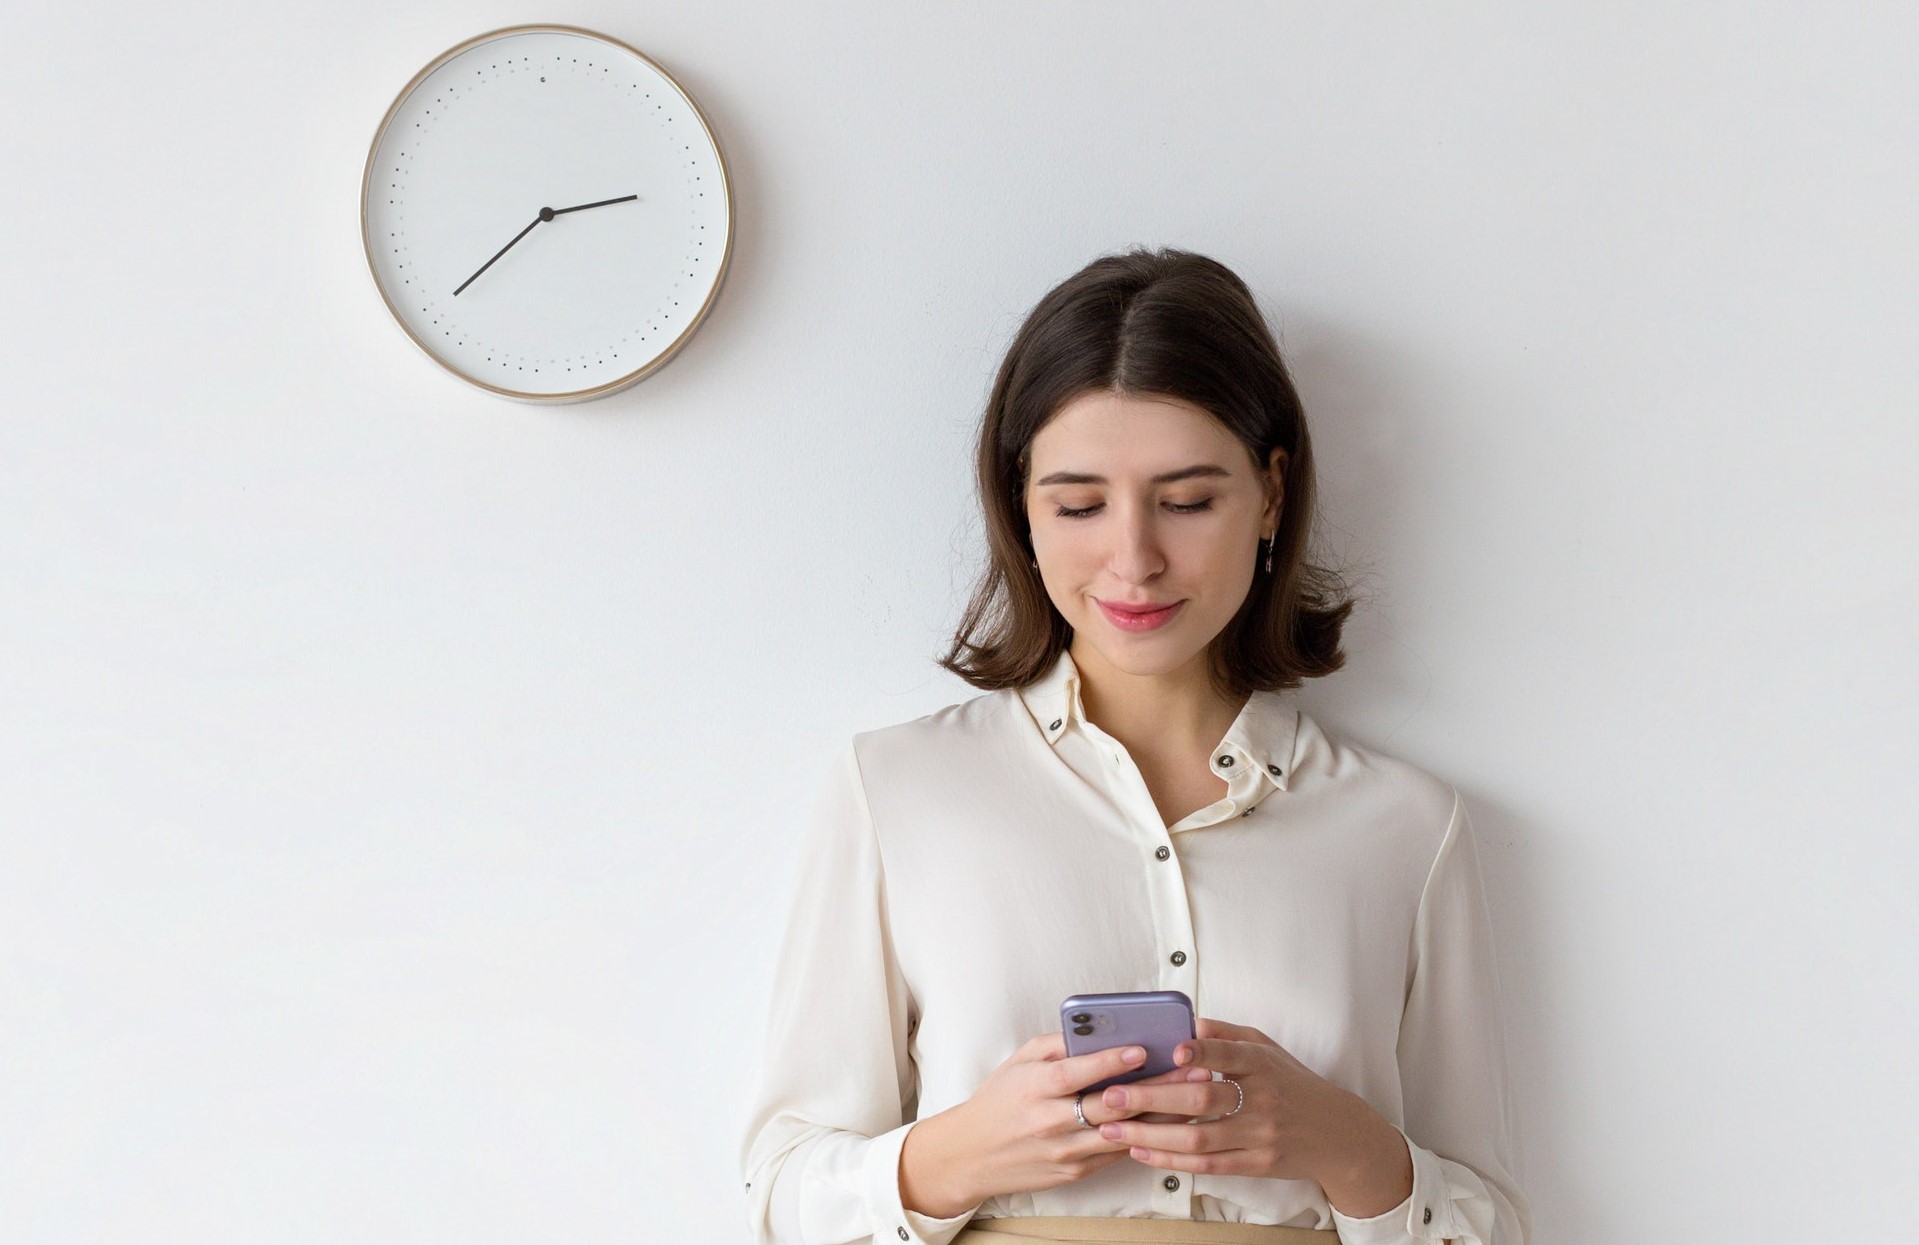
397 784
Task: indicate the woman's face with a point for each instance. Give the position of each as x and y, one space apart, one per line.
1162 509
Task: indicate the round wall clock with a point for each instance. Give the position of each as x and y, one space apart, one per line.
546 213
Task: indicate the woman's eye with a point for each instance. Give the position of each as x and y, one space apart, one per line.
1067 512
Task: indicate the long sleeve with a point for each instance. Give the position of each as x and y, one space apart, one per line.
1452 1060
838 1092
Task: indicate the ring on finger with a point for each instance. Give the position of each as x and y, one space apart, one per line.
1079 1114
1240 1091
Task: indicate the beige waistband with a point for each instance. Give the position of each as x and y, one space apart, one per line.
1092 1230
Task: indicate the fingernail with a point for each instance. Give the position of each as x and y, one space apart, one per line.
1109 1131
1183 1055
1134 1054
1115 1097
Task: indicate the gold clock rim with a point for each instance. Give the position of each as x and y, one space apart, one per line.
578 395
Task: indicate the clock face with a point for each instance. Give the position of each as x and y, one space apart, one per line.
546 213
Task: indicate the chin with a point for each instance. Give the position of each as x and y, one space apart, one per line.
1151 655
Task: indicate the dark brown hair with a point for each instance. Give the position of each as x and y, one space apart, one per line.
1149 323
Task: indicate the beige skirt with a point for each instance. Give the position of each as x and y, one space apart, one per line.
1092 1230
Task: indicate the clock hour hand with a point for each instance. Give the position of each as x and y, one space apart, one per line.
546 213
583 206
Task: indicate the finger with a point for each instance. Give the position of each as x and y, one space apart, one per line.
1093 1114
1040 1047
1207 1097
1094 1108
1234 1058
1215 1162
1086 1145
1075 1072
1178 1076
1177 1138
1207 1027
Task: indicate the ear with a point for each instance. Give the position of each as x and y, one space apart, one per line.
1276 464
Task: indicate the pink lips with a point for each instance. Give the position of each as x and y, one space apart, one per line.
1131 620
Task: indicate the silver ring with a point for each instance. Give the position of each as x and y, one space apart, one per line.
1077 1113
1242 1096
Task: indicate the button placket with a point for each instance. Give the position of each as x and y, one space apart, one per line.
1172 915
1172 1193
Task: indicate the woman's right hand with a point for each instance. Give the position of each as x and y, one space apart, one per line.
1017 1133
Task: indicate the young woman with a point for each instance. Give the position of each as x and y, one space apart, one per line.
1131 804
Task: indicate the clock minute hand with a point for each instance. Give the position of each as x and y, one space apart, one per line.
545 214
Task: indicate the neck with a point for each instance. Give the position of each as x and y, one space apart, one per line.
1172 714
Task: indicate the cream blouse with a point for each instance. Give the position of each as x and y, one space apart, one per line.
964 872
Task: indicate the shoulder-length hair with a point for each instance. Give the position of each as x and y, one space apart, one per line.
1149 323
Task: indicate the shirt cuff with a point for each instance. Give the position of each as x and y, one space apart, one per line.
1426 1214
891 1220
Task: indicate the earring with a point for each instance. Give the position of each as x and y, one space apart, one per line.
1270 542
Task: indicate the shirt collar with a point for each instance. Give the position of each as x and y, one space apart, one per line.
1053 698
1259 741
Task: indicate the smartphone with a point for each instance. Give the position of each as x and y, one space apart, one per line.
1158 1020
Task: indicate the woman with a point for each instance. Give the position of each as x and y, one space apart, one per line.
1130 804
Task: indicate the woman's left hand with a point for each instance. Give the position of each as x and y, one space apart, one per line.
1294 1125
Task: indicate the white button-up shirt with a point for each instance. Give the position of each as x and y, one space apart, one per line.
963 873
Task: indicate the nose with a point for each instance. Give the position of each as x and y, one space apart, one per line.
1136 555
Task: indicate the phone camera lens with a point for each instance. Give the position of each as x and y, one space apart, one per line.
1082 1030
1080 1018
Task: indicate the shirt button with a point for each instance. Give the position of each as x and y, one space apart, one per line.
1429 1215
1162 853
1225 761
1055 725
1179 957
903 1235
1273 770
1171 1183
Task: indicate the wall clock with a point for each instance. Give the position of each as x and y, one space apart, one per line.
546 213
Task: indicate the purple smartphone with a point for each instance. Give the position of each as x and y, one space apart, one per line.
1159 1020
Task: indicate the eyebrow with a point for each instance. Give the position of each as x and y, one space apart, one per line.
1165 477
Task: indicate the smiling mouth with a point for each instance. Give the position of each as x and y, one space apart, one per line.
1138 620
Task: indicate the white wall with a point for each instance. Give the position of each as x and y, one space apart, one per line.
397 784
